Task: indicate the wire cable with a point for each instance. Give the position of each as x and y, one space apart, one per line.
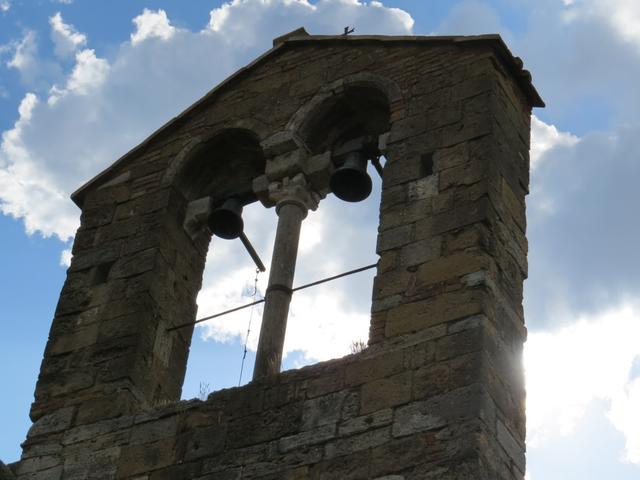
246 339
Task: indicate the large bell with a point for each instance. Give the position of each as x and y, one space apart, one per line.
226 220
351 182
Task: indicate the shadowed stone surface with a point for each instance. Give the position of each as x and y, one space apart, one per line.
439 393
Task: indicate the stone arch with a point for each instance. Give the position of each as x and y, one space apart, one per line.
349 114
337 106
219 166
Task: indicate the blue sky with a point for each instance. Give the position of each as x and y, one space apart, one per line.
82 82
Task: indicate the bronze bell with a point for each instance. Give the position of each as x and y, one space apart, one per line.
351 182
226 220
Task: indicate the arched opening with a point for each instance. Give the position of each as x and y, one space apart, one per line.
327 321
333 319
360 110
212 171
223 167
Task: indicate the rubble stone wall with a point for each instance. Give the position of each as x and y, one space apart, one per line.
438 393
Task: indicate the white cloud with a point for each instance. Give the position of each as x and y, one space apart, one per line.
24 57
472 17
87 76
545 138
241 22
622 15
625 416
35 72
150 24
589 360
65 258
28 192
5 6
65 38
105 106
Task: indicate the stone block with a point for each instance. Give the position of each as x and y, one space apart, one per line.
448 268
96 217
287 164
95 465
446 158
309 437
407 127
201 442
451 408
458 344
323 410
37 464
393 196
412 317
267 426
54 473
104 253
41 448
454 219
401 168
394 238
379 366
92 431
404 454
354 466
514 449
356 443
391 283
135 264
107 405
57 421
80 338
386 392
363 423
423 188
421 251
462 175
325 384
5 472
406 214
153 431
137 459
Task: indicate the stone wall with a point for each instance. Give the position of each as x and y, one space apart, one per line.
439 392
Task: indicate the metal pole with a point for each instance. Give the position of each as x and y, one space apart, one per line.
252 252
278 295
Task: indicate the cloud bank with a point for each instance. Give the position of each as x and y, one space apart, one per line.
111 104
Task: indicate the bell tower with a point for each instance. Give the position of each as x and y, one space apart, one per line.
439 392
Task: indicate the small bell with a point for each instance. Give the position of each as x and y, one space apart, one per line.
351 182
226 220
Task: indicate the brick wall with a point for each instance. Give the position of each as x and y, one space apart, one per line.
438 394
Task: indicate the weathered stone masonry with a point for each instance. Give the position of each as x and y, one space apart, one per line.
439 392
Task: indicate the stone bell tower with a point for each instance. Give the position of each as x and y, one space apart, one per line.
439 392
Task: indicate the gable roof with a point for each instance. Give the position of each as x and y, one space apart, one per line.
300 37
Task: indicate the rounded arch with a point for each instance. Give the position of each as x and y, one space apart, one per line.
220 166
353 106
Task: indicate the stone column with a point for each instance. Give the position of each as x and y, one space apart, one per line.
293 199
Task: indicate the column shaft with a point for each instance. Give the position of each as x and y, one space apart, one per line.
278 296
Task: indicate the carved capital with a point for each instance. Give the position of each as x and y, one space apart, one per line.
295 171
196 216
294 190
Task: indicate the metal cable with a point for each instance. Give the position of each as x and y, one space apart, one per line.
257 302
246 339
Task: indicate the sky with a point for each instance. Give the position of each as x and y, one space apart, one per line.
82 82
